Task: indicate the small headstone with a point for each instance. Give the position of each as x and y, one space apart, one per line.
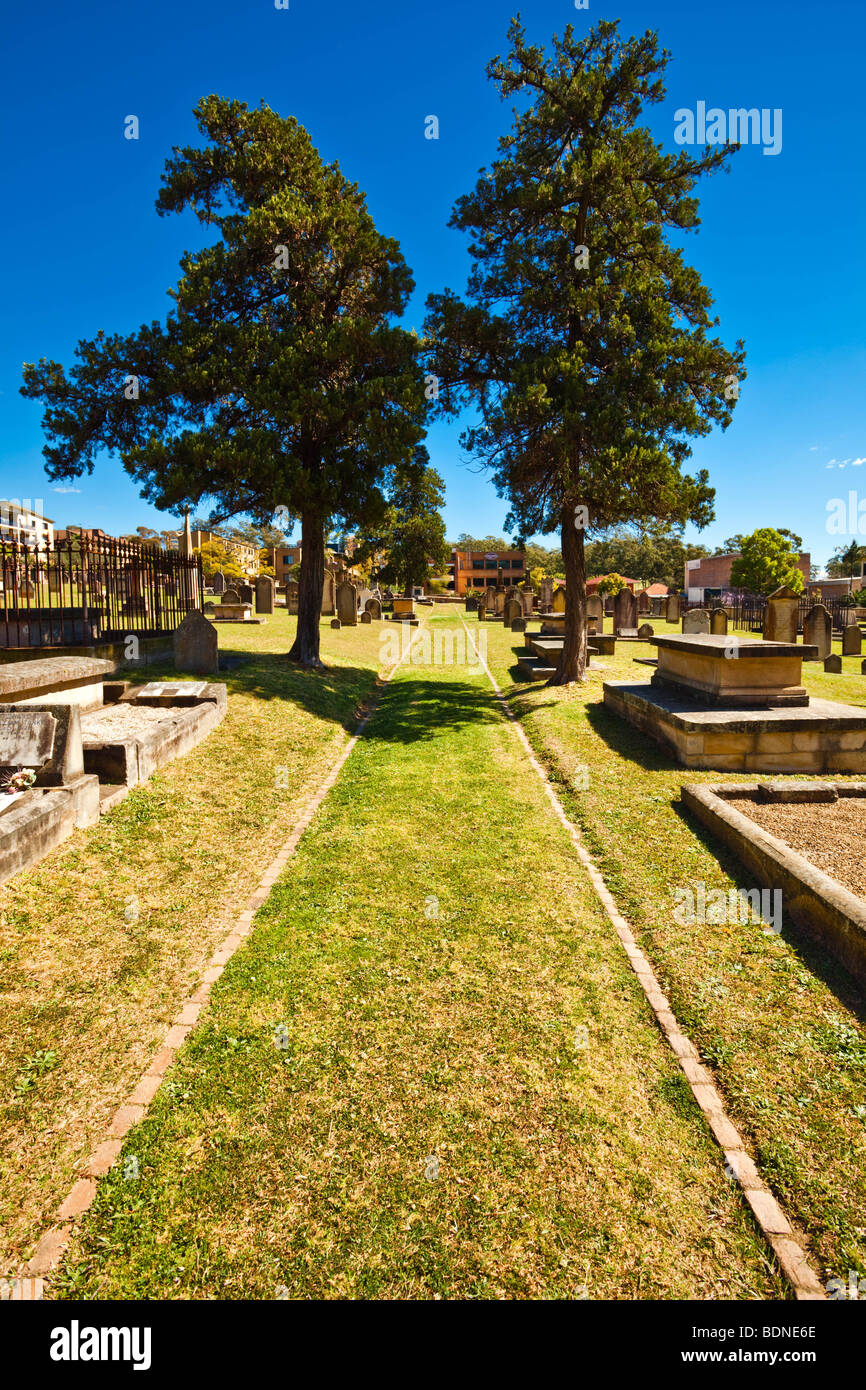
366 618
557 603
719 622
518 625
347 604
674 608
852 640
218 583
546 598
265 589
231 596
245 592
645 631
329 597
527 598
833 664
513 609
595 609
335 622
780 622
624 611
643 602
499 603
697 620
818 630
374 608
863 668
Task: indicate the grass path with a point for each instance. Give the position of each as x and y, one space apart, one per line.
783 1027
429 1072
102 941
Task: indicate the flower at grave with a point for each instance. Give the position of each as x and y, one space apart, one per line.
18 781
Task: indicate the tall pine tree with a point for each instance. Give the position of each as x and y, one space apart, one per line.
584 337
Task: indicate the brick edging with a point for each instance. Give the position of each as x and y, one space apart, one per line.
769 1215
54 1242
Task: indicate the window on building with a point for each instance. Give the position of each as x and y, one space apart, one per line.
517 564
491 564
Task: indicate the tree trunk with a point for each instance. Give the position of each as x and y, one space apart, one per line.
572 658
305 649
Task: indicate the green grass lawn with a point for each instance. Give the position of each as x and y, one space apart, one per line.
781 1025
429 1072
86 988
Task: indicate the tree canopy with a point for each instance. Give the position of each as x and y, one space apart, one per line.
767 560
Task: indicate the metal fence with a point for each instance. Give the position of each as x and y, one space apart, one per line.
84 590
748 611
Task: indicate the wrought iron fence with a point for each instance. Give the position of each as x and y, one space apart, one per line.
84 590
748 611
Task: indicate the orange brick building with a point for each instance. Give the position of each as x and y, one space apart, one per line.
475 569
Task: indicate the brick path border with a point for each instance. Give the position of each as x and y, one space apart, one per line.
768 1213
55 1240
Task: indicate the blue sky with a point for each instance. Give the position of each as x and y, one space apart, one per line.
781 245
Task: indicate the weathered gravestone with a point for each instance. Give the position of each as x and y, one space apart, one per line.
852 640
264 594
335 622
366 617
347 604
230 596
490 597
513 609
697 620
196 646
625 612
645 631
674 608
527 599
818 631
218 583
643 602
518 625
718 622
546 598
781 620
498 603
374 608
595 611
557 603
245 592
833 664
292 592
329 596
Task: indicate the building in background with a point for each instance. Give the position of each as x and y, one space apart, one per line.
475 569
710 577
282 558
247 555
23 523
87 533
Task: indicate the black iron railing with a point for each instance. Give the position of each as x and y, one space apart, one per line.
83 590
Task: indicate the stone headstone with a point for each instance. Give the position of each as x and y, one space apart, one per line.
218 583
26 739
292 592
374 608
557 603
781 619
852 640
196 646
718 622
366 617
657 600
863 668
833 664
265 588
518 625
697 620
513 609
329 596
546 598
643 602
818 631
498 603
624 611
646 631
231 596
595 609
490 596
527 598
674 608
245 592
347 604
335 622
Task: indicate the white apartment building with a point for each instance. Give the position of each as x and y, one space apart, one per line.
21 521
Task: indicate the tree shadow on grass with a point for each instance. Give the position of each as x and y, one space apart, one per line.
630 742
417 709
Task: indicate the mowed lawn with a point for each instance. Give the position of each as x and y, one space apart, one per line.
102 942
429 1072
779 1023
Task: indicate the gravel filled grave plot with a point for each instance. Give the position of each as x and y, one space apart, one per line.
124 721
829 835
